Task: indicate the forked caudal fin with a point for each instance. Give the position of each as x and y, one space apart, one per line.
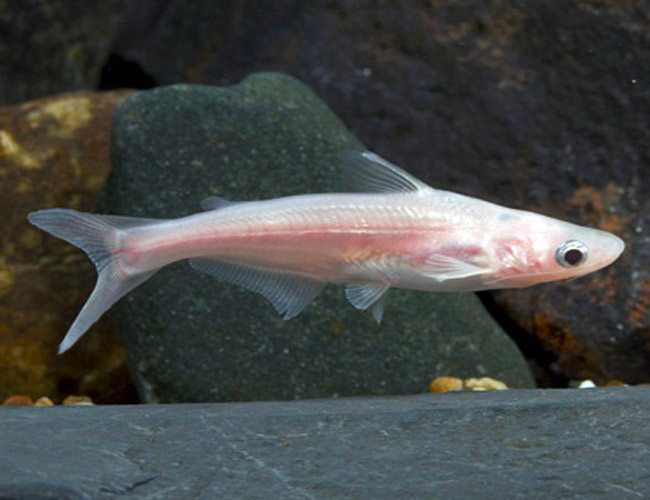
97 236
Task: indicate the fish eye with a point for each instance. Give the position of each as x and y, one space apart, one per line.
571 253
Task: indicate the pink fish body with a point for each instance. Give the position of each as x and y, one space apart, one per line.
396 232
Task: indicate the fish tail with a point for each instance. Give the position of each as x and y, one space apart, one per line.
98 236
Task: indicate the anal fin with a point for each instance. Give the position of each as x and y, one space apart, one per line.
289 293
378 308
365 296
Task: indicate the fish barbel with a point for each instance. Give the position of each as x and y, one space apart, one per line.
392 231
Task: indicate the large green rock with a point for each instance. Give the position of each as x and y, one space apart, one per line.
192 338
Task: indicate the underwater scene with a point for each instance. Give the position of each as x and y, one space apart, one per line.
516 103
249 201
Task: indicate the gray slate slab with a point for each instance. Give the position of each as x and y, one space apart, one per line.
514 444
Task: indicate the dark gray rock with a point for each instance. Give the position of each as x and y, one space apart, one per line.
508 444
54 46
192 338
541 105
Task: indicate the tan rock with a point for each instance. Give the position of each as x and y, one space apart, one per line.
53 152
484 384
78 400
615 383
44 401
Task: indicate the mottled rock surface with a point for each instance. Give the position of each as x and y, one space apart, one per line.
540 105
53 152
192 338
54 46
502 444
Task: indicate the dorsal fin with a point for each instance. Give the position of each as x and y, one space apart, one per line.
215 203
367 172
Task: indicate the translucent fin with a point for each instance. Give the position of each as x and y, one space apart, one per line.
378 308
367 172
366 296
95 235
215 203
110 288
445 267
124 222
288 293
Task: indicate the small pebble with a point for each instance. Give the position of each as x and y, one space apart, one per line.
446 384
484 384
615 383
18 400
78 400
44 401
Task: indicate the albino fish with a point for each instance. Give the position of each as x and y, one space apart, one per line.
394 231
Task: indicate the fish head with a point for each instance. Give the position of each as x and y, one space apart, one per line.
529 248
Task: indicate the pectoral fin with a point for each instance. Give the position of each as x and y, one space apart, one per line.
445 267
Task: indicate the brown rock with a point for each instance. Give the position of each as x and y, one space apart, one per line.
53 152
446 384
18 400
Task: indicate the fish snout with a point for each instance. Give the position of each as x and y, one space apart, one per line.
606 250
615 247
